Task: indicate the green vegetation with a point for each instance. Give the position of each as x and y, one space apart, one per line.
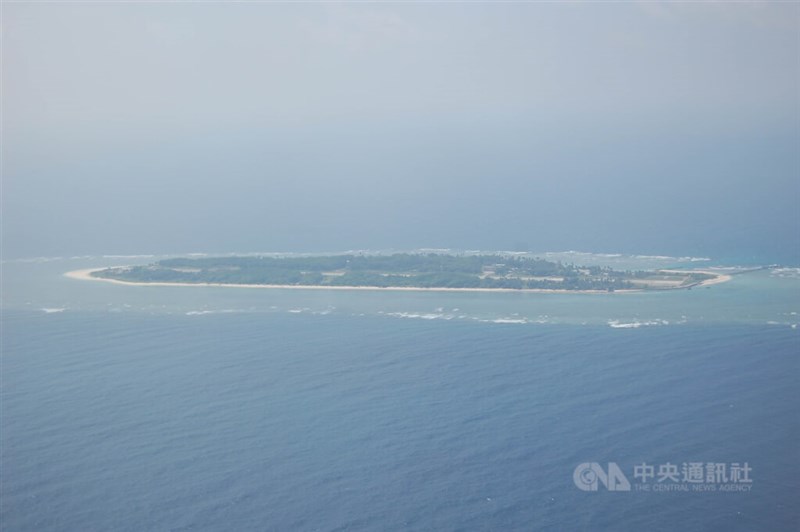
399 270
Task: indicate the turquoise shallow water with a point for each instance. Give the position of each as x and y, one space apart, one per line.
131 408
764 297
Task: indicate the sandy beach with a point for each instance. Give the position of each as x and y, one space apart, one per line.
86 275
719 277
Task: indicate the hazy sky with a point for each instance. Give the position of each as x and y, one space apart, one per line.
617 127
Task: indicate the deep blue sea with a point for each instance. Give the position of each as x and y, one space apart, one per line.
187 408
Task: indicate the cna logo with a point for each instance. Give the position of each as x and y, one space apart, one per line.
589 475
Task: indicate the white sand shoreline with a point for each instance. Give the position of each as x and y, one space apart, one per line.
86 275
719 277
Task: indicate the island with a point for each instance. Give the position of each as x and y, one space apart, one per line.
400 271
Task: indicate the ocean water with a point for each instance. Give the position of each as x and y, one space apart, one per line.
187 408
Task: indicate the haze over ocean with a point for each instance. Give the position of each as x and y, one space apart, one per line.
638 135
667 129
